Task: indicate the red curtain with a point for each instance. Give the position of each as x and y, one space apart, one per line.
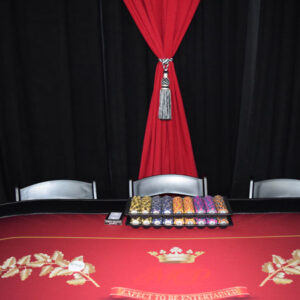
167 145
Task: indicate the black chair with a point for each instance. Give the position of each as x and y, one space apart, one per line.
168 184
57 189
274 188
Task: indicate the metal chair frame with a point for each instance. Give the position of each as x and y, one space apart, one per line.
57 189
274 188
168 184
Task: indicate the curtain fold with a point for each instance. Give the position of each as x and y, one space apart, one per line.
167 145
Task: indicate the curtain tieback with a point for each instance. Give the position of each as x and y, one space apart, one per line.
164 112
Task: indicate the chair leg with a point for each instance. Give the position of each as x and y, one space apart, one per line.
17 194
205 186
251 188
130 188
94 190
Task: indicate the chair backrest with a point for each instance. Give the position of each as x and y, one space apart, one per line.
274 188
168 184
58 189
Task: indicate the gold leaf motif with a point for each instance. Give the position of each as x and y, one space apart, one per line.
52 266
62 263
278 260
24 260
36 264
80 281
89 268
55 272
25 274
282 280
78 258
296 254
293 262
199 253
291 271
268 267
64 272
153 253
280 275
9 262
46 270
10 273
42 257
57 255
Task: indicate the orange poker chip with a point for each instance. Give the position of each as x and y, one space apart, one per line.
177 205
188 205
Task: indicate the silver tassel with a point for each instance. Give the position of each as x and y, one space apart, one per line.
164 112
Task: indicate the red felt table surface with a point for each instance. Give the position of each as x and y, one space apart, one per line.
233 257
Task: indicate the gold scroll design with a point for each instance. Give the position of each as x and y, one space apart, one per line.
52 266
176 256
280 267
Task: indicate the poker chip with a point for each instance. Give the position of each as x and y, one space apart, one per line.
136 221
199 205
200 221
135 205
222 221
168 221
147 221
220 204
167 205
178 221
145 205
157 221
188 205
210 205
156 205
189 221
211 221
177 205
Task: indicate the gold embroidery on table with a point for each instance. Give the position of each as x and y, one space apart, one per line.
54 266
176 256
279 267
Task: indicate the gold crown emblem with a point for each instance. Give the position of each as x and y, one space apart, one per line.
176 256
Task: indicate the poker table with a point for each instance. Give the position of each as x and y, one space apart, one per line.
56 249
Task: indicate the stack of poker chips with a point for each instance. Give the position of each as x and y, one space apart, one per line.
189 221
157 221
222 221
220 204
178 211
211 221
177 205
210 205
156 205
178 221
188 205
200 221
168 221
199 205
136 221
145 205
135 206
167 205
147 221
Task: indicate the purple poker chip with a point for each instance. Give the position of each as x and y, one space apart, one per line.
211 221
156 205
200 221
210 205
167 205
199 205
